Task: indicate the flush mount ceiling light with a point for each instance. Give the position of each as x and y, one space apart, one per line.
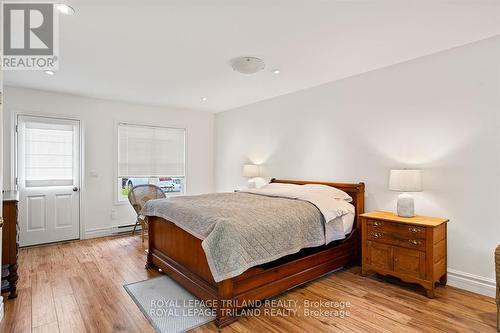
65 9
276 71
49 73
248 65
204 99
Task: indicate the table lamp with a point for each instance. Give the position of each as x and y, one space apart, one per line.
251 171
405 181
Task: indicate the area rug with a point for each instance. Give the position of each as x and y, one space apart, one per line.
169 307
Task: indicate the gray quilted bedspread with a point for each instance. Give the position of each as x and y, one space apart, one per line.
242 230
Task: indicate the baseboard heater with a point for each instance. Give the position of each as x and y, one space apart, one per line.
124 228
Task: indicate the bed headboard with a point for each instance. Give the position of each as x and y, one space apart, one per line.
356 191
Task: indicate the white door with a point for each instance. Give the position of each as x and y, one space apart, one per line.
48 179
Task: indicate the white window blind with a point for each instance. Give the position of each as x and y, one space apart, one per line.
145 151
48 154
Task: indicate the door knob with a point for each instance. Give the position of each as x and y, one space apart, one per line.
75 189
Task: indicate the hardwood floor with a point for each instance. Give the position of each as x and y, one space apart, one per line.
78 287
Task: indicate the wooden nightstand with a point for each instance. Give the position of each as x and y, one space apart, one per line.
10 243
412 249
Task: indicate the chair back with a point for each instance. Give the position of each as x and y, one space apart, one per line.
140 194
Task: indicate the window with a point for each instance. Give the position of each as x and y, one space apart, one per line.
47 154
151 155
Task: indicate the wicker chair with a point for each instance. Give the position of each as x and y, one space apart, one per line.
497 266
138 196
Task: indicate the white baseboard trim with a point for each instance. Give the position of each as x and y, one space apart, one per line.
98 232
470 282
107 231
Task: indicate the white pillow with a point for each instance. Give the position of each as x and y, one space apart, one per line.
277 189
331 201
318 189
326 190
279 186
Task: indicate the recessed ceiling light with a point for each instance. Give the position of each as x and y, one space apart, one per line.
204 99
49 73
276 71
247 65
65 9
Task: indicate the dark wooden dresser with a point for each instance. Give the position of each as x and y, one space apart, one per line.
412 249
10 243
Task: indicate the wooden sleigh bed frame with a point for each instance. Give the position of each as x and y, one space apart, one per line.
180 255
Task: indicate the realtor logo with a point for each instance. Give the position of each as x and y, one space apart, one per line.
29 34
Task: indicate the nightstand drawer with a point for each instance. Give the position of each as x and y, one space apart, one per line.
396 239
408 231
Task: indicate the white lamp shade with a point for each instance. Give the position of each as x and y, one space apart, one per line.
405 180
250 170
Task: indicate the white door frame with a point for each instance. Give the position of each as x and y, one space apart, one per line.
14 156
2 120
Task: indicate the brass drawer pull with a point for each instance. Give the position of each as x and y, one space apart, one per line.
376 234
415 242
413 229
377 224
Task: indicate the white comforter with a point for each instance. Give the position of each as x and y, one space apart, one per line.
332 203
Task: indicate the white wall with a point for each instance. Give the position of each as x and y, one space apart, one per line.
439 113
99 119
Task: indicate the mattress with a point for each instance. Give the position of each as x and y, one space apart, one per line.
341 225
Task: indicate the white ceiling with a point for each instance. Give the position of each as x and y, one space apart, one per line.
174 52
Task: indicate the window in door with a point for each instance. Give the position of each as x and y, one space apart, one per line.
49 154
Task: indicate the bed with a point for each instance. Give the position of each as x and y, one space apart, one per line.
181 255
